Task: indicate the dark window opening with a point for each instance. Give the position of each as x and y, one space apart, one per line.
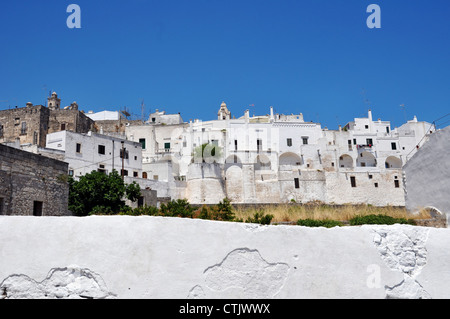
353 181
1 205
289 142
397 183
142 141
140 201
101 149
78 149
305 140
394 146
297 183
37 208
63 126
167 146
122 151
259 145
376 185
235 145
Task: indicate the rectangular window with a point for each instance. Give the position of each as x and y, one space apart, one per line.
135 174
1 206
305 140
122 151
123 172
70 172
397 183
63 126
376 185
289 142
354 141
235 145
140 202
101 149
353 181
259 145
37 208
394 146
142 141
387 129
78 148
23 129
297 183
167 147
369 141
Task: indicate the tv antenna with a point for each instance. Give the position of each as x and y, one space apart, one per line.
403 107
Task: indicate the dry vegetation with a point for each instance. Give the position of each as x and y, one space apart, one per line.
319 211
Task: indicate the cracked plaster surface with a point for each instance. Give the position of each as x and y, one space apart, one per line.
70 283
403 249
246 270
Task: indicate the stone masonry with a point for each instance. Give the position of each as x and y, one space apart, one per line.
32 184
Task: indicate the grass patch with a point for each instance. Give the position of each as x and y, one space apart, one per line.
292 213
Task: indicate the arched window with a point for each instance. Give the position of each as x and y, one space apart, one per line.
393 162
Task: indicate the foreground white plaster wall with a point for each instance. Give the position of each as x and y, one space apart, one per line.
157 257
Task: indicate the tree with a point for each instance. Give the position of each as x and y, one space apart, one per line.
207 153
100 193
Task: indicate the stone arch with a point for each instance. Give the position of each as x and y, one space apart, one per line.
232 160
366 159
290 158
262 162
393 162
346 161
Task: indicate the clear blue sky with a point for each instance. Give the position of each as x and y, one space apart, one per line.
316 57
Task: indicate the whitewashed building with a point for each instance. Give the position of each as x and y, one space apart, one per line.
91 151
279 158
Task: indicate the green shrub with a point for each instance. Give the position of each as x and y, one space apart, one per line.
328 223
379 220
260 218
102 210
177 208
225 210
140 211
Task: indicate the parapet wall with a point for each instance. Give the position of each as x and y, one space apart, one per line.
160 257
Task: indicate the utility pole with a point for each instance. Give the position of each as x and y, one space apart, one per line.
123 160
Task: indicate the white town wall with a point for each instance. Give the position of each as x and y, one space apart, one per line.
427 174
158 257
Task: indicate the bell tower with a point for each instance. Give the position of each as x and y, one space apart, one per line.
224 113
53 102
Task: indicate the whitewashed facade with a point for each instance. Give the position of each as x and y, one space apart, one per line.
279 158
96 152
